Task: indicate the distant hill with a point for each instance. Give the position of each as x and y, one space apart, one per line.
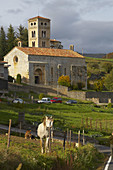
101 55
109 56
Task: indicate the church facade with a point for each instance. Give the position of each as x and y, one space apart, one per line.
41 63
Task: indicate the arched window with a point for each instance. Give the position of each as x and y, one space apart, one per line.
33 33
43 34
43 44
15 59
33 44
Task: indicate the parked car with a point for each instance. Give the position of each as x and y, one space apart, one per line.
56 100
44 100
71 102
18 100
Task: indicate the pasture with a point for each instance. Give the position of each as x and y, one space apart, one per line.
83 115
26 153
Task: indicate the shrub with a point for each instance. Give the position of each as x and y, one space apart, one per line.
99 85
109 105
10 79
109 81
64 81
107 67
18 78
78 86
41 95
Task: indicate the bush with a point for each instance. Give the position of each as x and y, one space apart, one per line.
64 81
10 79
78 86
99 85
18 79
107 67
109 105
41 95
108 82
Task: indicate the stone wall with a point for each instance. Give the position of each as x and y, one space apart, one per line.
3 84
96 97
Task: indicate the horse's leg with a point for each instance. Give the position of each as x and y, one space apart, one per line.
46 145
52 134
41 144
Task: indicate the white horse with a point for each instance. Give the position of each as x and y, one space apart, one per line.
43 131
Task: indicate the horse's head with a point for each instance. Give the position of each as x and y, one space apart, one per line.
48 122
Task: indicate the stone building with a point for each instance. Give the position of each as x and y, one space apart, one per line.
44 61
3 76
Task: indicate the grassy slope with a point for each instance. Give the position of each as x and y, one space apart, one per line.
65 116
28 153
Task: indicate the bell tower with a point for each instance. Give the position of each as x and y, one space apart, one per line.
39 32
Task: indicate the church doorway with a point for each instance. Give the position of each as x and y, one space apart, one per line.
38 76
36 79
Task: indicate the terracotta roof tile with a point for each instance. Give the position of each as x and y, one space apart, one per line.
3 62
49 52
54 40
38 17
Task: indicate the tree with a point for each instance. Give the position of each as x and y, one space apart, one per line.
108 82
107 67
99 85
64 81
3 43
11 38
23 35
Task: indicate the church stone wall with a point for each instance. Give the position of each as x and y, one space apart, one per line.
18 62
74 67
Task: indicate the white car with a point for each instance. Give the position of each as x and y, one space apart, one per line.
44 100
18 100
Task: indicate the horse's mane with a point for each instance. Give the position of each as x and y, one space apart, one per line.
44 120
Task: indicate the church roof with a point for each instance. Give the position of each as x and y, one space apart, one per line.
38 17
49 52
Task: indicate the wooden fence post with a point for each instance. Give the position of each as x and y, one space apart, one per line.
100 126
67 137
20 128
64 140
8 142
106 125
78 138
50 139
82 122
70 137
91 123
83 138
96 124
86 122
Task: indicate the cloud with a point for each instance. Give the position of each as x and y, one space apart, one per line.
16 11
92 36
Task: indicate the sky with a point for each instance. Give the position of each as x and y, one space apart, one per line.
87 24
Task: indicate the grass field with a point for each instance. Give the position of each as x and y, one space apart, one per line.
81 115
26 153
74 117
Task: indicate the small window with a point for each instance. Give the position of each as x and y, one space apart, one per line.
34 23
33 44
31 24
45 24
15 59
51 74
41 23
43 44
65 71
33 33
43 34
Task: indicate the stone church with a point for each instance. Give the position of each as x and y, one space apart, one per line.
45 60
